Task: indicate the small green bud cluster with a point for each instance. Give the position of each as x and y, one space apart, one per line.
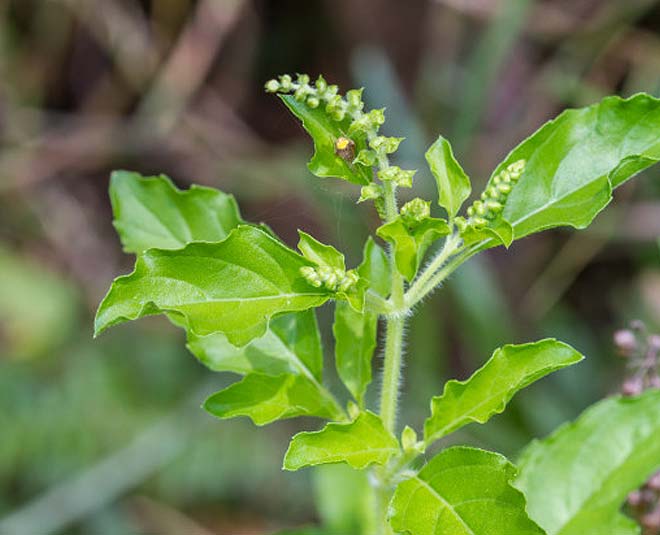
333 279
493 199
402 178
363 125
416 210
320 93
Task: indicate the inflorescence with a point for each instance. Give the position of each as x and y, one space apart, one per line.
333 279
641 351
493 199
361 124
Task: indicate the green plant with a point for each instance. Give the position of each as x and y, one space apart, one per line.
246 302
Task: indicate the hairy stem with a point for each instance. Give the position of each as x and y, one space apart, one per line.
418 289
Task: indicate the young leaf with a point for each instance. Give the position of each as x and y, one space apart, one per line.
355 332
574 161
510 369
411 240
462 491
453 184
577 479
265 398
292 344
359 443
152 213
232 287
325 132
320 253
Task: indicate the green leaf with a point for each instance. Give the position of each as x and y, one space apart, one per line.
355 332
320 253
577 479
265 399
462 491
292 344
325 132
359 443
510 369
411 240
453 184
232 287
500 230
575 160
152 213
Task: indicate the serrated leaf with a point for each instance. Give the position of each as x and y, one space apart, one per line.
577 479
489 389
453 184
232 287
150 212
359 443
461 491
292 344
575 160
355 332
325 132
320 253
411 241
265 399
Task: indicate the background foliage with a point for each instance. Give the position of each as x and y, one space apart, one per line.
107 436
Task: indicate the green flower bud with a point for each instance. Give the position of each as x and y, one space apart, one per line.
329 277
516 168
303 79
416 210
479 222
321 86
286 82
349 280
311 276
504 188
386 144
408 439
461 223
389 173
366 157
353 410
354 98
272 86
313 102
370 191
331 91
376 117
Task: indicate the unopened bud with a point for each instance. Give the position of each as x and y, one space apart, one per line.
272 86
654 482
349 280
370 191
635 499
408 438
625 342
416 210
313 102
311 276
632 386
651 521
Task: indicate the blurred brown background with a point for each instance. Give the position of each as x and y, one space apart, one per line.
106 437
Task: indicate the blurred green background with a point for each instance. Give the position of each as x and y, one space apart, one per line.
106 436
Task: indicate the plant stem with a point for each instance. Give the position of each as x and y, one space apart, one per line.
416 292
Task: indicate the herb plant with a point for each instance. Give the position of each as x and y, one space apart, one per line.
246 302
